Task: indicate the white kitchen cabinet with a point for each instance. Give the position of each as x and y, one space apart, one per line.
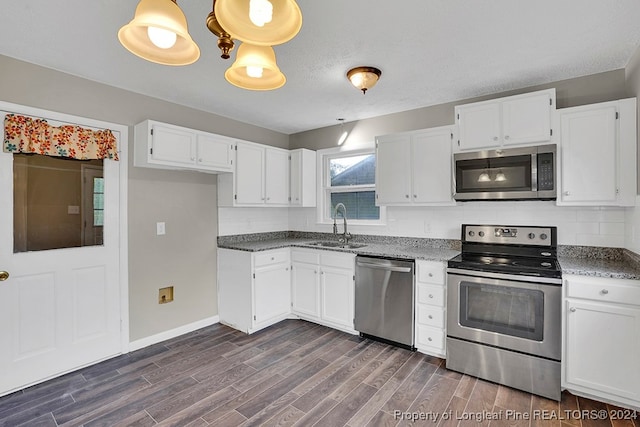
514 120
430 300
598 154
415 168
254 288
165 146
303 178
323 287
602 339
260 178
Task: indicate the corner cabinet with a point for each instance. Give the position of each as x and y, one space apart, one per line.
323 287
514 120
602 339
430 332
261 177
598 154
164 146
254 288
415 168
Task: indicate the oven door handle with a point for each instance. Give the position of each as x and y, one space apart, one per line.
516 277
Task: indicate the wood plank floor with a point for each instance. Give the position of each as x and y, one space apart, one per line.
293 373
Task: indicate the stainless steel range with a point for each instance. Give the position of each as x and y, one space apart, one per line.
504 307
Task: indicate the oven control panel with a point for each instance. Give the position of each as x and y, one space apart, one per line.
535 236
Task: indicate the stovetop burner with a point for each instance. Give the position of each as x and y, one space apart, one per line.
527 251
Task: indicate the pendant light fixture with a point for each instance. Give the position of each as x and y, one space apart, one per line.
484 177
255 68
364 78
260 22
159 33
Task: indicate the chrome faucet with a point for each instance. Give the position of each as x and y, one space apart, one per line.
345 235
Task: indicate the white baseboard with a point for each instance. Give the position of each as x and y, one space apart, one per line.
172 333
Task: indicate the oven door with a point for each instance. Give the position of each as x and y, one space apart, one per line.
505 313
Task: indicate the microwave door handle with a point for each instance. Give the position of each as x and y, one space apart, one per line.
534 172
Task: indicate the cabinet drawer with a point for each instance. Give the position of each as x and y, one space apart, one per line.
430 294
271 257
429 337
430 315
430 272
309 257
604 290
334 259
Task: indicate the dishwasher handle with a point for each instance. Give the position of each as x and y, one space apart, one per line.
384 267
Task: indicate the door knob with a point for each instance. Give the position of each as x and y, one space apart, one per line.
4 275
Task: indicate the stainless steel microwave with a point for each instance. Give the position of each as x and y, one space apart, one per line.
506 174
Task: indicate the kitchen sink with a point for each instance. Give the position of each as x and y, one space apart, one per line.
330 244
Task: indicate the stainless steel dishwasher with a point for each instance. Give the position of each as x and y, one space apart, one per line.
384 307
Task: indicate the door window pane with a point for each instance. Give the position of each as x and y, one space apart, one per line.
58 202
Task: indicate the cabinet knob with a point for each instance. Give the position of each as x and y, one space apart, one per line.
193 158
430 274
415 196
406 196
430 296
315 271
572 309
200 159
322 272
495 138
430 317
273 258
429 339
268 198
506 137
565 193
604 292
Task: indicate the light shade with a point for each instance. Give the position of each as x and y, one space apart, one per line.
234 16
364 78
163 15
251 59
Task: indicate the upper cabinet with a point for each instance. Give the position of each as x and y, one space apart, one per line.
598 154
414 168
514 120
303 178
165 146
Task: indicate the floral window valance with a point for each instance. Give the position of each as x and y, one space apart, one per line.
27 135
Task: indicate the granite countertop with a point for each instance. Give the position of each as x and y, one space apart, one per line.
614 263
394 247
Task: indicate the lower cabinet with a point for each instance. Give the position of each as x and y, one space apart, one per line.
254 288
431 301
602 339
323 287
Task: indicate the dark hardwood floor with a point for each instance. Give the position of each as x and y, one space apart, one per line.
293 373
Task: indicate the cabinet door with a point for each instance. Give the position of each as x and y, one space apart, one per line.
393 177
478 125
431 166
305 281
277 177
603 347
271 294
337 288
526 119
214 153
589 156
249 176
295 180
173 147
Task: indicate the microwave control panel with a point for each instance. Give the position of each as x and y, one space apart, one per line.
545 172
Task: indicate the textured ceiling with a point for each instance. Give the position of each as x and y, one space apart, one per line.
429 51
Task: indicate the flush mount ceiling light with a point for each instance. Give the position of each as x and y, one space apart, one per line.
255 68
158 33
364 78
260 22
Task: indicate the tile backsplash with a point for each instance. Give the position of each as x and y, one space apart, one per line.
585 226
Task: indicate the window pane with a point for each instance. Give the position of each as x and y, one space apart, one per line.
353 170
359 204
53 202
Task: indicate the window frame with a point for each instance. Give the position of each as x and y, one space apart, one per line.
325 189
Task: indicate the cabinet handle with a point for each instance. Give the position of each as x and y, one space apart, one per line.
430 296
322 272
430 317
315 271
495 138
604 292
406 196
272 258
430 274
429 339
506 137
572 309
415 196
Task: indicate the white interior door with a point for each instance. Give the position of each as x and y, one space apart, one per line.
60 309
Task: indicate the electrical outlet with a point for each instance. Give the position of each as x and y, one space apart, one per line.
165 295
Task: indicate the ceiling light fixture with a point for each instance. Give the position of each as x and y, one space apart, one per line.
260 22
255 68
364 78
159 33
